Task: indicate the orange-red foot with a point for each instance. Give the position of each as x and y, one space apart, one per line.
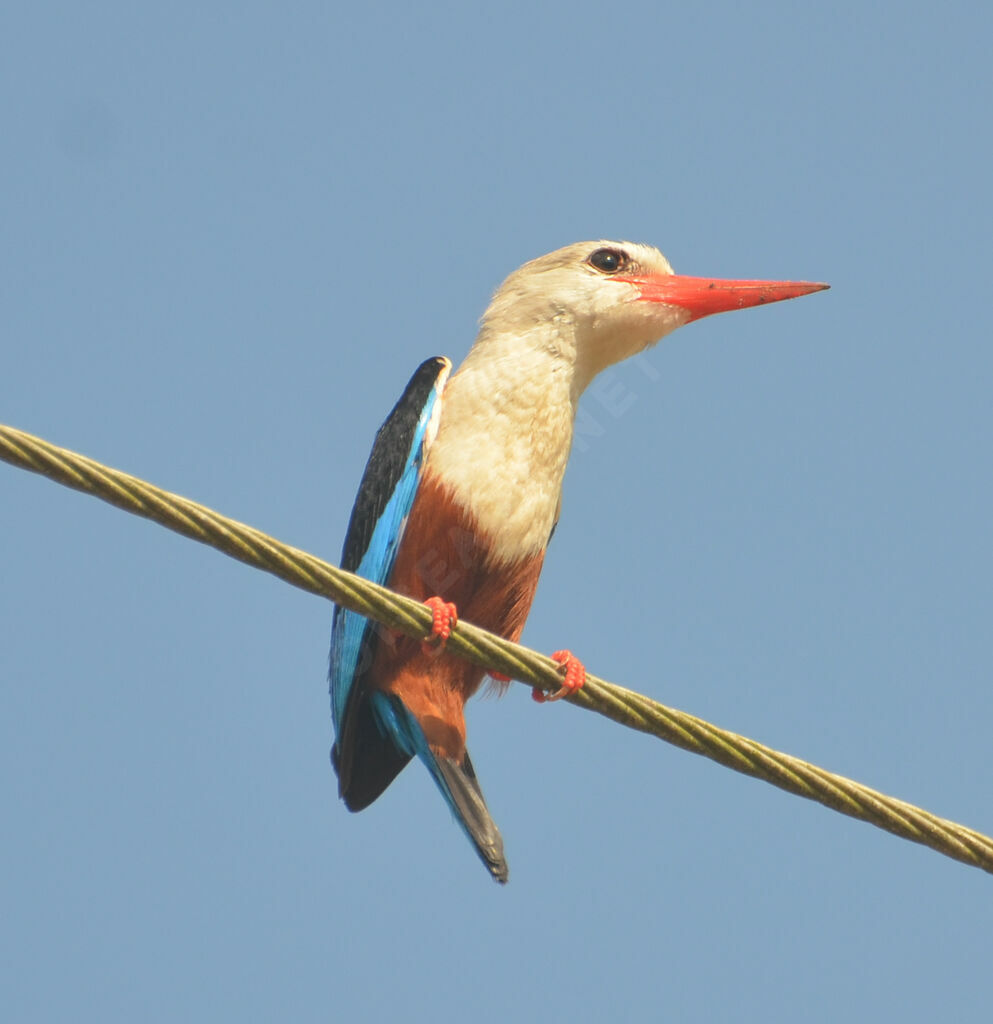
575 676
445 618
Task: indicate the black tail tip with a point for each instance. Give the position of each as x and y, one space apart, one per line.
466 800
495 863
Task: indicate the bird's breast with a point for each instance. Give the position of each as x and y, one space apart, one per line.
443 553
500 455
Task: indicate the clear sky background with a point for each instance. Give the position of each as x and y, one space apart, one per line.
229 234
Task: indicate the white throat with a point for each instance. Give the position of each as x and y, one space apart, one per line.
505 435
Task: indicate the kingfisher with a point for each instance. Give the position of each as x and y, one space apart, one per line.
462 492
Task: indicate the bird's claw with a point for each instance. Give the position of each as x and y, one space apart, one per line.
575 676
445 616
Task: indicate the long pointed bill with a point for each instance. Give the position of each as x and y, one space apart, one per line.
702 296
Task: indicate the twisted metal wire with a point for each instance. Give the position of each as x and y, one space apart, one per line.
624 706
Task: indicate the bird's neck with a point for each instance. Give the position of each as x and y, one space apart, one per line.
505 434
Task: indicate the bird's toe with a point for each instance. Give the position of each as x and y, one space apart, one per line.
574 677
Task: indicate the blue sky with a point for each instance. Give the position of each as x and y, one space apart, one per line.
230 232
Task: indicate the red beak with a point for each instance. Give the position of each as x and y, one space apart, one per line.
702 296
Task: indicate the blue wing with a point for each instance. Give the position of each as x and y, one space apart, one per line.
375 530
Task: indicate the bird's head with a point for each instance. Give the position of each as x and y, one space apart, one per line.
601 302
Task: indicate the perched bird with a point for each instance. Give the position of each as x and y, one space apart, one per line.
461 494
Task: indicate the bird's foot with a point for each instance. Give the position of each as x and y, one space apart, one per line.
445 617
575 676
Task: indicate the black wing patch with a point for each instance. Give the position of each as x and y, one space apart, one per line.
390 452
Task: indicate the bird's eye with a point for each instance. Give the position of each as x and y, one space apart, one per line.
609 261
